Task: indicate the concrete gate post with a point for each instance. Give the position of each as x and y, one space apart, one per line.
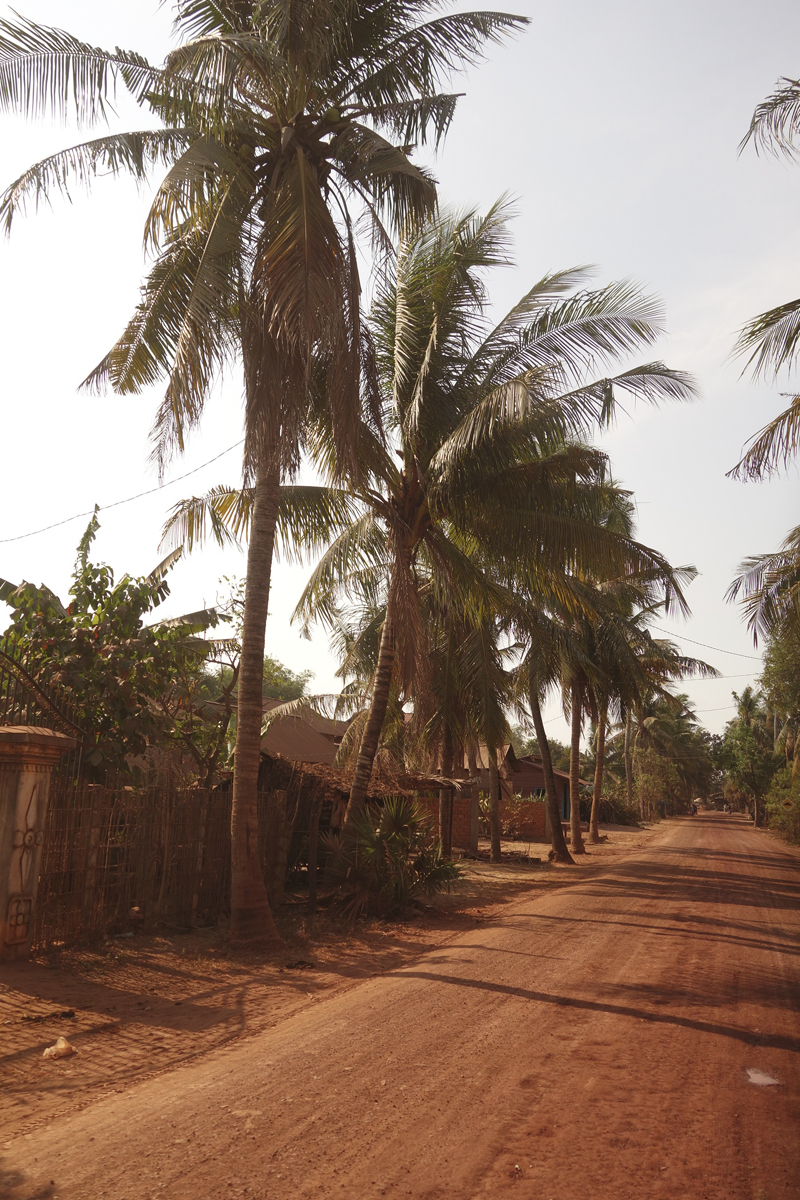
27 758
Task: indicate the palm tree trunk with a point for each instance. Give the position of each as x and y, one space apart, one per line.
636 743
494 805
575 772
446 796
377 715
475 803
628 761
251 918
599 766
559 853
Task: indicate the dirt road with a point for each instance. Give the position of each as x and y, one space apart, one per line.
590 1044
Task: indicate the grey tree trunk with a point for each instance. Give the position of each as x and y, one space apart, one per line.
446 796
576 840
628 761
251 917
475 803
494 805
636 743
599 767
560 853
374 724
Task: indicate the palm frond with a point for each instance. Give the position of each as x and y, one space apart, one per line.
773 447
768 587
419 59
771 340
776 121
131 153
308 518
47 72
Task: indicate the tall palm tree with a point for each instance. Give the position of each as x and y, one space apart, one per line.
667 725
278 120
481 418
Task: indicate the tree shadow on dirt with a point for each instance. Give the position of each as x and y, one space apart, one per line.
11 1181
775 1041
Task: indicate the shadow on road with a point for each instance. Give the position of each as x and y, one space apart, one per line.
776 1041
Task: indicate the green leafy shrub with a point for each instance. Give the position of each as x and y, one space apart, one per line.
783 789
389 861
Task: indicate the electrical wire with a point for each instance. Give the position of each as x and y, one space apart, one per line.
117 503
682 637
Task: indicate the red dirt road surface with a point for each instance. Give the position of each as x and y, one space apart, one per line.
590 1043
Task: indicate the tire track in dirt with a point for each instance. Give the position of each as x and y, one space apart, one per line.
588 1043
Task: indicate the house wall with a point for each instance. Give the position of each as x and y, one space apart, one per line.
529 781
525 820
462 810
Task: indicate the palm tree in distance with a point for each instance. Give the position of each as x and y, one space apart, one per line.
277 126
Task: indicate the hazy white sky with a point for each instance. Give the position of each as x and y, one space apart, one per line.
616 126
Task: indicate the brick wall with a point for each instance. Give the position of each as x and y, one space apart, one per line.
524 819
461 817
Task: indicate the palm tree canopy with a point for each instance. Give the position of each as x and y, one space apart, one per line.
277 119
768 588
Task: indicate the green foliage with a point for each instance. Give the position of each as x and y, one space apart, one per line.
390 859
745 752
524 743
134 686
783 789
657 782
614 808
280 683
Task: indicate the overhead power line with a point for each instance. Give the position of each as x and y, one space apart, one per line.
682 637
127 500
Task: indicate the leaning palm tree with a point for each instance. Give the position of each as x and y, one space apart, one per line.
279 129
482 419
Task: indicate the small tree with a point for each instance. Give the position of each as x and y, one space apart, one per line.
134 686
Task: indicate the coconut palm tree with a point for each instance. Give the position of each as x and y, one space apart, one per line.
667 726
283 123
481 419
581 641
